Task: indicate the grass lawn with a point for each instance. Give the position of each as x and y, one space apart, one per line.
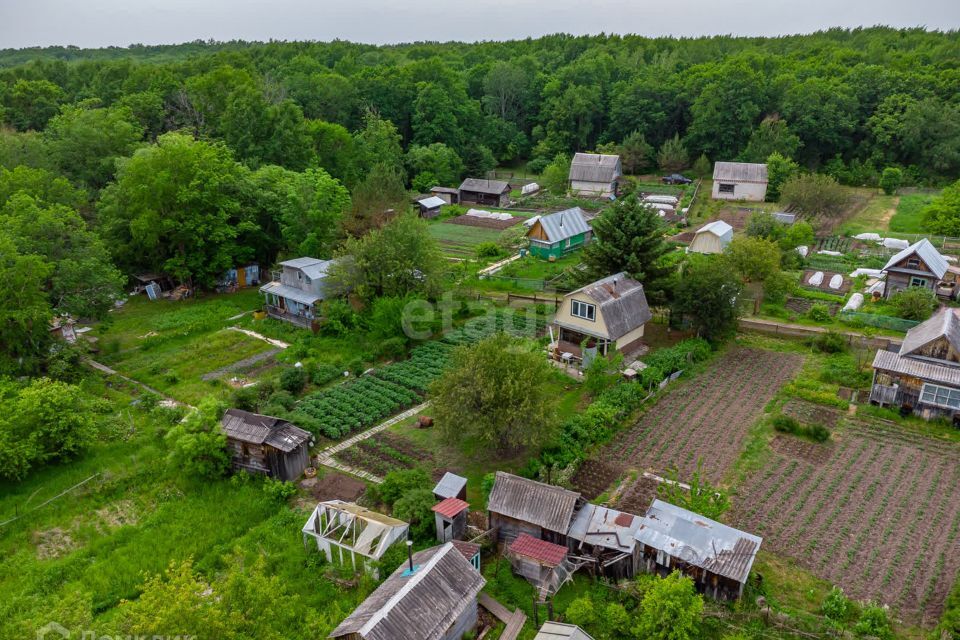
909 218
460 240
874 217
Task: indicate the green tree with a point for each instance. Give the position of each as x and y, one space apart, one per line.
311 212
673 155
399 259
707 293
26 149
24 309
336 150
415 507
635 154
755 259
700 496
86 142
496 393
915 303
670 610
197 444
780 169
772 136
175 207
264 133
890 180
376 199
378 144
434 117
628 236
942 215
555 175
437 160
31 103
726 110
396 484
815 195
822 112
702 166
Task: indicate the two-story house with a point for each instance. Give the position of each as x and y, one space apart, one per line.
919 265
923 376
295 297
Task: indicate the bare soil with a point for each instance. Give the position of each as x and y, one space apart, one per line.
811 413
812 452
594 477
334 486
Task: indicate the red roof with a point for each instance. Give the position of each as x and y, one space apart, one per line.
468 549
623 520
450 507
545 552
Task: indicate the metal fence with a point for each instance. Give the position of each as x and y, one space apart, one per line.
874 320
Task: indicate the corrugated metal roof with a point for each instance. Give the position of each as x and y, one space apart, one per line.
926 252
595 167
482 185
945 323
740 172
718 228
256 428
622 303
561 631
443 190
564 224
450 507
291 293
300 263
420 605
544 505
450 485
913 366
432 202
698 540
603 527
544 552
467 549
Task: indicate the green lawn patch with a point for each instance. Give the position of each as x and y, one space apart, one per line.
909 215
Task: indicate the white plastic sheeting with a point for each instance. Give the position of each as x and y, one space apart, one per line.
661 199
895 243
480 213
854 303
869 237
826 252
836 281
816 279
873 273
527 189
803 250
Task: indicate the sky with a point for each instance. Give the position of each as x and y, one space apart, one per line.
97 23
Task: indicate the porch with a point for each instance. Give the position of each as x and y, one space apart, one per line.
282 314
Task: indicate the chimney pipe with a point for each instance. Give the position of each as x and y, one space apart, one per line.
410 553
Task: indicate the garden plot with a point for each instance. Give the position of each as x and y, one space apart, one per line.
385 452
707 418
461 241
878 516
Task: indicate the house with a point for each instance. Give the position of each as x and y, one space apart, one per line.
544 564
344 530
295 296
451 519
63 328
606 535
245 276
594 174
739 181
430 207
718 558
712 237
606 315
923 377
451 486
518 505
495 193
919 265
449 195
433 597
267 445
561 631
556 234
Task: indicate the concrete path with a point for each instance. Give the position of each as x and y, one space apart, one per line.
496 266
111 372
280 344
239 365
325 457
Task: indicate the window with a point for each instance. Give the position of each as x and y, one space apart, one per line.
307 279
913 263
918 282
940 396
725 188
583 310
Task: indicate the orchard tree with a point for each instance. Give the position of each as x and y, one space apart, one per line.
671 609
707 293
755 259
496 393
628 236
780 168
24 309
815 195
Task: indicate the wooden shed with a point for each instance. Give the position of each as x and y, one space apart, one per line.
434 599
450 195
494 193
545 565
518 505
265 444
430 207
594 174
451 519
739 181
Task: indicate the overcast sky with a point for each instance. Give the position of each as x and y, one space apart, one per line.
96 23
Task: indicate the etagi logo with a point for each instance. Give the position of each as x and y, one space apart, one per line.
56 631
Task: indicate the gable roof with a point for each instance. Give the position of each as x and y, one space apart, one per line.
698 540
603 527
431 202
926 252
563 224
256 428
312 267
945 323
926 370
419 605
546 553
482 185
718 228
595 167
740 171
622 303
561 631
450 485
545 505
450 507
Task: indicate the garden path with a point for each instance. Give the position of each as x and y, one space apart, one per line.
280 344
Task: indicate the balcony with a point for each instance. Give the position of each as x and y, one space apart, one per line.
281 314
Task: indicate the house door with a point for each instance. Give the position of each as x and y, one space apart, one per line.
447 531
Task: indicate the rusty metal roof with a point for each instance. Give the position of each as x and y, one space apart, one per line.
467 549
698 540
603 527
546 553
420 604
545 505
450 507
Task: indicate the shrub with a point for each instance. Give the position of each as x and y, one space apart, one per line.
874 623
817 432
786 424
837 606
392 348
914 303
829 342
398 483
488 250
890 180
815 194
293 380
819 313
414 507
278 490
323 373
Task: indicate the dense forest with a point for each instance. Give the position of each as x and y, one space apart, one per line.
191 159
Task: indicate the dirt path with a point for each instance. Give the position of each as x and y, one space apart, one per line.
889 213
239 365
111 372
280 344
